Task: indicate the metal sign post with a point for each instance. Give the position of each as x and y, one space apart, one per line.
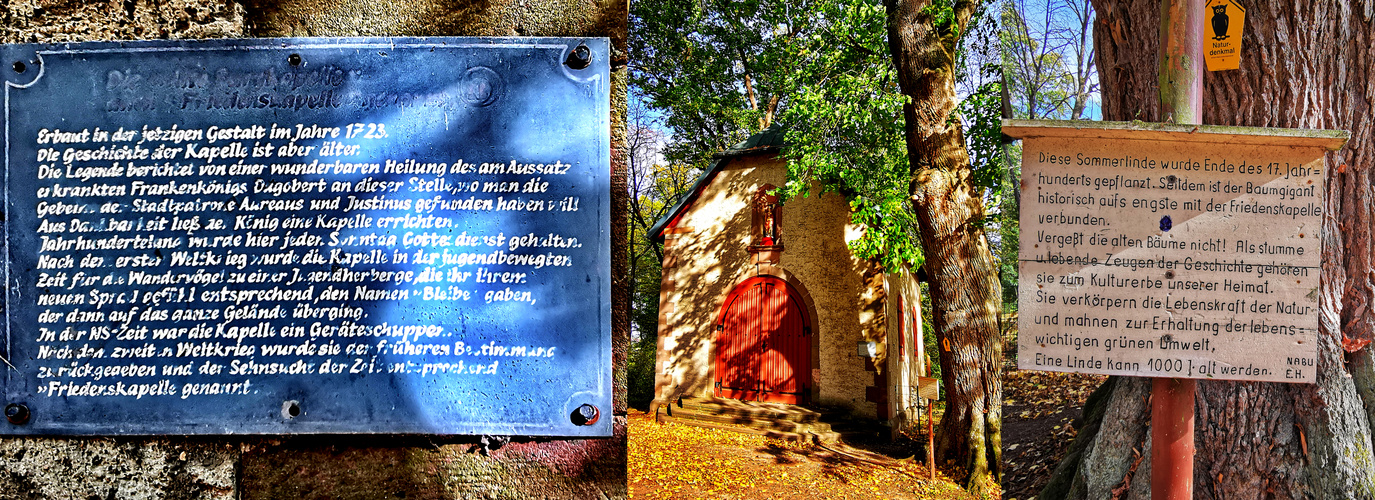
1181 101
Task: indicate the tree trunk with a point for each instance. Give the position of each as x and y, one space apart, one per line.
1304 64
965 291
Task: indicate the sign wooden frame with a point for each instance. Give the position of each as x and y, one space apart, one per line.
1170 251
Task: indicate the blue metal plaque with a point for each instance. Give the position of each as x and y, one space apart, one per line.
307 236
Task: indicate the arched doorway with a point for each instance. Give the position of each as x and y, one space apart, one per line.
763 349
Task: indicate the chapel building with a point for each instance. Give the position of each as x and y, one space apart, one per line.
762 302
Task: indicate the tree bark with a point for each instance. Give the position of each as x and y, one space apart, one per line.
965 291
1304 64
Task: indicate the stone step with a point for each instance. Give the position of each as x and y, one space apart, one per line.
858 433
745 419
851 429
772 411
777 420
799 437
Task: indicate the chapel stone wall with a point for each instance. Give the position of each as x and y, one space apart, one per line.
707 255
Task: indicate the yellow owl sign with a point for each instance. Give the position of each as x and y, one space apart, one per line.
1222 34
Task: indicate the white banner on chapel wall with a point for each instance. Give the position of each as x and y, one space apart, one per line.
1170 251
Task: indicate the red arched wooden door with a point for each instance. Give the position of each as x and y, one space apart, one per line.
763 351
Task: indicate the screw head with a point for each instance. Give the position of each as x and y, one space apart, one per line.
17 413
586 415
291 409
579 58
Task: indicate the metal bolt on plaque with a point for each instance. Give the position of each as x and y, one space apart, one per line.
17 413
579 58
586 415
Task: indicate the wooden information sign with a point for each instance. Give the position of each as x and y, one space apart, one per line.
929 388
1170 251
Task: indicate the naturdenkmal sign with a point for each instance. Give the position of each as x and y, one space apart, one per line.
308 236
1170 251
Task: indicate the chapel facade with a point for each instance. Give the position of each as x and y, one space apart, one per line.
762 301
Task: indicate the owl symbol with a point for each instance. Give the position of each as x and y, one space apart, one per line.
1220 22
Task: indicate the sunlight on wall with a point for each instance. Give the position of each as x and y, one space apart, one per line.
711 256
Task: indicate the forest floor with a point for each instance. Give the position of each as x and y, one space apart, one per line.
1039 413
679 461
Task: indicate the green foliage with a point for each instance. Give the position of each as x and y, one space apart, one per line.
640 372
846 129
981 108
984 137
929 344
1048 68
644 306
942 14
1009 230
655 189
720 68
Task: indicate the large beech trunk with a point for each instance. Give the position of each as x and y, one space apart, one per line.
965 291
1304 64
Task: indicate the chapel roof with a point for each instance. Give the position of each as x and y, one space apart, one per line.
767 141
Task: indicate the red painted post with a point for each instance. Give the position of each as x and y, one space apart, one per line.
1172 439
1181 102
930 440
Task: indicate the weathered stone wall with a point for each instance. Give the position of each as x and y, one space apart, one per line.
45 21
707 256
331 466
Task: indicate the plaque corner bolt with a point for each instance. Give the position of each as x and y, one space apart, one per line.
579 58
291 409
17 413
586 415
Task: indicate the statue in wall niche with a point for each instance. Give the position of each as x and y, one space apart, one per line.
766 218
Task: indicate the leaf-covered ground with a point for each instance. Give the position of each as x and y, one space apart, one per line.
1038 410
679 461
